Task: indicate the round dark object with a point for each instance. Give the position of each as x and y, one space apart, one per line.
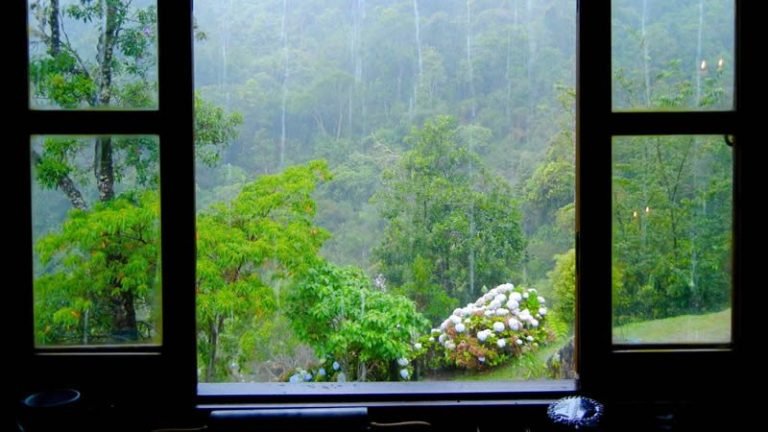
52 398
576 412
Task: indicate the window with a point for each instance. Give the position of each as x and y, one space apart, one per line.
396 200
640 368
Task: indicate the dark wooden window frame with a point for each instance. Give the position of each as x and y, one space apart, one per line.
168 374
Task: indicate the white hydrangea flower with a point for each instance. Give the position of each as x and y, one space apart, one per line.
519 341
498 327
512 304
482 335
534 323
336 366
542 300
532 290
417 345
402 361
525 315
442 338
295 378
525 295
435 331
455 319
321 372
515 296
489 313
514 324
529 338
502 311
501 343
431 339
307 376
542 311
501 298
481 359
460 328
506 287
404 374
450 345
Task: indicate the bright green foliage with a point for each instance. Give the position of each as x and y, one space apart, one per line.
247 250
449 218
108 252
563 280
346 320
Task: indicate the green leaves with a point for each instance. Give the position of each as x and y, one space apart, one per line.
351 322
98 254
449 217
247 250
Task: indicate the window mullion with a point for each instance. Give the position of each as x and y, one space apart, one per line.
593 189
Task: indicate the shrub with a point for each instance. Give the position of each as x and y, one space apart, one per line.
503 324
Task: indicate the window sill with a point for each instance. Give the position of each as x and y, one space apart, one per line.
388 392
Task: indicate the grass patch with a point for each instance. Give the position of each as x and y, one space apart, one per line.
711 328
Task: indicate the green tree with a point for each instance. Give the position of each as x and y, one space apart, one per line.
445 208
106 262
338 312
247 250
563 280
121 73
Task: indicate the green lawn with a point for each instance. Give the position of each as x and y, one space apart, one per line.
713 327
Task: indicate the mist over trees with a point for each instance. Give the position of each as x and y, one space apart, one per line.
366 167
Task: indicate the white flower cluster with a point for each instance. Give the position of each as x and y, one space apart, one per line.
502 308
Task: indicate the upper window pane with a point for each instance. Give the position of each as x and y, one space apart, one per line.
96 233
386 171
672 230
673 55
86 54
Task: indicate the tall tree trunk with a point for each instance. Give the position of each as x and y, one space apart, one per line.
284 40
646 56
104 170
122 304
53 21
123 311
471 169
420 59
700 66
213 338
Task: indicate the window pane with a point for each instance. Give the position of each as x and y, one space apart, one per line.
673 55
366 171
96 234
672 224
92 54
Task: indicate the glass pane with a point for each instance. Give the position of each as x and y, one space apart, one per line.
92 54
672 224
96 234
371 171
673 55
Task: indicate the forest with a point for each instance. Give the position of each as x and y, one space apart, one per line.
385 189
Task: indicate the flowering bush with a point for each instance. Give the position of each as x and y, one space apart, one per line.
504 323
